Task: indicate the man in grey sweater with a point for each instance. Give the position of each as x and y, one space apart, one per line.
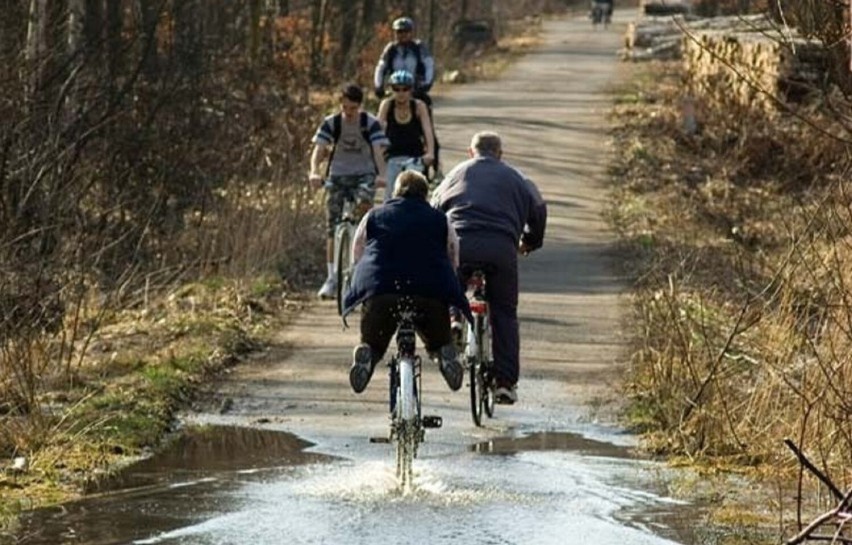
498 213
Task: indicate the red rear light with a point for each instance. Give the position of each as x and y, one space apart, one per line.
478 307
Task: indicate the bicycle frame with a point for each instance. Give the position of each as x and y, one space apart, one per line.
408 425
344 233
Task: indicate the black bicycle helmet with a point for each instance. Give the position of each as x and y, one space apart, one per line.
403 23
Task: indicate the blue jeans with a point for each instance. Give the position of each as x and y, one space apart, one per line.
395 166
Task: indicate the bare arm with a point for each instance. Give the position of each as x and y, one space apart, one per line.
319 153
426 123
359 241
382 114
381 165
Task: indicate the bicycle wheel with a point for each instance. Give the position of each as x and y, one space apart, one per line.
476 382
406 423
485 371
344 265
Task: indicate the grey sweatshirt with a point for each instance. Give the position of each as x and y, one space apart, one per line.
486 194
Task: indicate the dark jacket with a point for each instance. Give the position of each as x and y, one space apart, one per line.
486 195
406 254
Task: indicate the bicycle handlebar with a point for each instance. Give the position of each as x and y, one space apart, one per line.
327 184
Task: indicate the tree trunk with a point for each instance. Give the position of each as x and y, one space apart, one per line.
433 14
36 46
188 37
348 31
254 30
147 48
319 14
114 41
76 48
76 16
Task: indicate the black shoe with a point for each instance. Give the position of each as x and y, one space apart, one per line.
505 395
362 368
451 369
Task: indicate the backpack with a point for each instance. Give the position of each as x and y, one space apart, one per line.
391 51
337 127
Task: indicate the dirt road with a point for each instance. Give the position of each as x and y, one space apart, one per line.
550 108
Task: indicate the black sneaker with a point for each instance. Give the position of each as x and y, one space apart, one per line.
362 368
505 395
451 369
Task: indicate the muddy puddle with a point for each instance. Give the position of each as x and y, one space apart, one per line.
194 477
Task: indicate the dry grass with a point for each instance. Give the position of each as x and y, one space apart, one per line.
739 241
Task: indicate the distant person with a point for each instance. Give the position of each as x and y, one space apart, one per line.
405 254
408 126
498 213
606 7
354 143
409 54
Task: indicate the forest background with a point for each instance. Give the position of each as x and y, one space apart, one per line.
154 220
154 210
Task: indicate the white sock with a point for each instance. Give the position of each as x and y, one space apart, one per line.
330 269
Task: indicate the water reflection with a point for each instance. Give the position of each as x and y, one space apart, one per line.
214 449
192 479
544 441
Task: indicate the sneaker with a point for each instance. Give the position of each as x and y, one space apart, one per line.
362 368
505 395
451 369
328 289
457 331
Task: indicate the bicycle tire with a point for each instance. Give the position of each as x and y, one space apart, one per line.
485 368
476 382
344 266
406 414
475 393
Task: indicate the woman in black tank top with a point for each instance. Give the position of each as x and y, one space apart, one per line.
408 126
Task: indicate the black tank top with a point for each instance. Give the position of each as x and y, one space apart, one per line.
406 139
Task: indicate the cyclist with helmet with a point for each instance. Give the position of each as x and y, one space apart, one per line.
406 53
408 127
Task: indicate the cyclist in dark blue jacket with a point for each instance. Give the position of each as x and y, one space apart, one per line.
405 254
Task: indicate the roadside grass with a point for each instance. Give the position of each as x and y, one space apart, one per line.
141 366
737 239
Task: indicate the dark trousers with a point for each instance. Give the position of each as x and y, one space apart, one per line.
380 317
498 253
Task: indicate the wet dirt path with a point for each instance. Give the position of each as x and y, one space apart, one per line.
551 467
